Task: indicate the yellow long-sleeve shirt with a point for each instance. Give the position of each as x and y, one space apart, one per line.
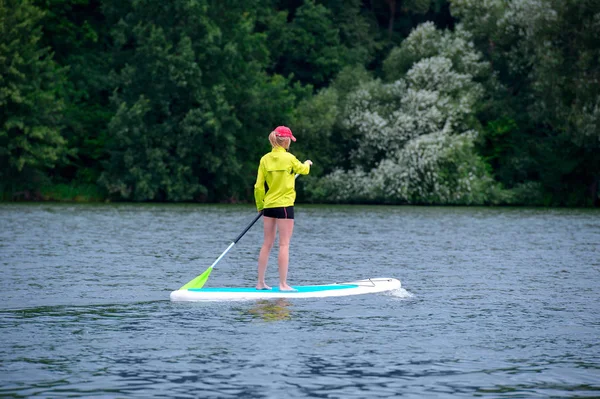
278 170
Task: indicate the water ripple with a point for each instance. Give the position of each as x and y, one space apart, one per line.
495 303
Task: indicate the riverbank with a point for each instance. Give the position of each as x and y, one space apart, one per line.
91 193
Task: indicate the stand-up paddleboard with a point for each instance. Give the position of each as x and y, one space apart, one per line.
367 286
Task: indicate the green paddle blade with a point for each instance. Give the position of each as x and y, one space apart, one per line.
199 281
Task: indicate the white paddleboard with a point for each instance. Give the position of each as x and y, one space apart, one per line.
367 286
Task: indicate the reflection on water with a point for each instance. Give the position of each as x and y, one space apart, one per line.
271 309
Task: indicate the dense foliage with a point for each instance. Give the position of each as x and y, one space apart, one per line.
396 101
31 106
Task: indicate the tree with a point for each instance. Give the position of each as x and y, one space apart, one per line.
30 99
78 34
191 99
416 134
547 57
308 48
398 17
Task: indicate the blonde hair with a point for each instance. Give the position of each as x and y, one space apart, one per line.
278 141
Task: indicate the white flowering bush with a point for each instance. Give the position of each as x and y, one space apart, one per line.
416 134
432 169
436 168
426 41
525 17
478 15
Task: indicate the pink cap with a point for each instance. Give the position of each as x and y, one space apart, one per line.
284 131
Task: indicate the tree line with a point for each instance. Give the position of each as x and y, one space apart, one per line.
396 101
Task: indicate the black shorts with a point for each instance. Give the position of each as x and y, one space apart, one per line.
279 213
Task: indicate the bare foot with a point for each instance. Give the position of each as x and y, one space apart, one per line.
285 287
262 286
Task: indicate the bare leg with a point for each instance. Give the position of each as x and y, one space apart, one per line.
270 228
286 228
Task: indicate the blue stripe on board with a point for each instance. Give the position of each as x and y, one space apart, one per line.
299 288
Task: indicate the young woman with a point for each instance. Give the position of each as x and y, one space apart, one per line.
275 194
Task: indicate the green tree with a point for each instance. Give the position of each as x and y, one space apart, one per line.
308 48
357 31
30 99
77 33
547 57
192 100
398 17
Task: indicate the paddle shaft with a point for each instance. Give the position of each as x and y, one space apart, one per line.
237 239
248 227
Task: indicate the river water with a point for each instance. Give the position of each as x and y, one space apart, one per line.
496 302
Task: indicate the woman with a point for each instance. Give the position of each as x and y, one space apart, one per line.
275 194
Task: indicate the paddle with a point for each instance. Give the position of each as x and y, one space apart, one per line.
199 281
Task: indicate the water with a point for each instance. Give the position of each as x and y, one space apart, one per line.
495 303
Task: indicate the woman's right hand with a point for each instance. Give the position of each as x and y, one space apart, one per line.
309 162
